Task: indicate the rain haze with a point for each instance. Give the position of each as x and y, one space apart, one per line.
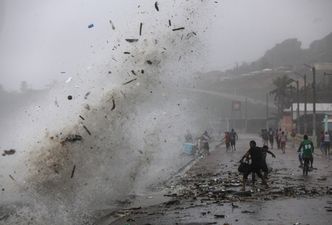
48 37
156 112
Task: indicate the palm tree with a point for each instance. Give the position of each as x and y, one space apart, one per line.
283 93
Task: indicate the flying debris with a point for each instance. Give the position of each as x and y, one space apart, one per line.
72 138
156 5
69 80
132 40
9 152
180 28
87 130
133 72
128 82
87 95
112 24
113 102
140 29
73 171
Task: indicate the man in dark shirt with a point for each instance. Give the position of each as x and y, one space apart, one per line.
257 164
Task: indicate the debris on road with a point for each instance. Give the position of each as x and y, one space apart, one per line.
219 216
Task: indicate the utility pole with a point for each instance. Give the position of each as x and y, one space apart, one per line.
305 104
314 137
267 111
298 107
305 101
246 115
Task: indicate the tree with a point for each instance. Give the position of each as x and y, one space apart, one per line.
283 93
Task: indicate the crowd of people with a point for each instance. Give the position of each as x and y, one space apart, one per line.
254 160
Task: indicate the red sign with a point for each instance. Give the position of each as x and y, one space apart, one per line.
236 106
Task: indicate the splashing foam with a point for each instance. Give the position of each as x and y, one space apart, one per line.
129 132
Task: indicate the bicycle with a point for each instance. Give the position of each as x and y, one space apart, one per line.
306 166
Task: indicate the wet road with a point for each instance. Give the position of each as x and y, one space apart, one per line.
209 193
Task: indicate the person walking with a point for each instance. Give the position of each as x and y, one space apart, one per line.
233 139
227 139
283 140
327 144
271 137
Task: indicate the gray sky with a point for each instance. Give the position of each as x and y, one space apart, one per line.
41 38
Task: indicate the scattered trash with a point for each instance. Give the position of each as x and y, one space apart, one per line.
82 117
219 216
140 29
70 97
73 171
247 212
87 95
87 130
128 82
9 152
132 40
180 28
156 5
91 25
172 202
112 24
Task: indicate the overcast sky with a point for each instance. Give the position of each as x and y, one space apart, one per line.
41 38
